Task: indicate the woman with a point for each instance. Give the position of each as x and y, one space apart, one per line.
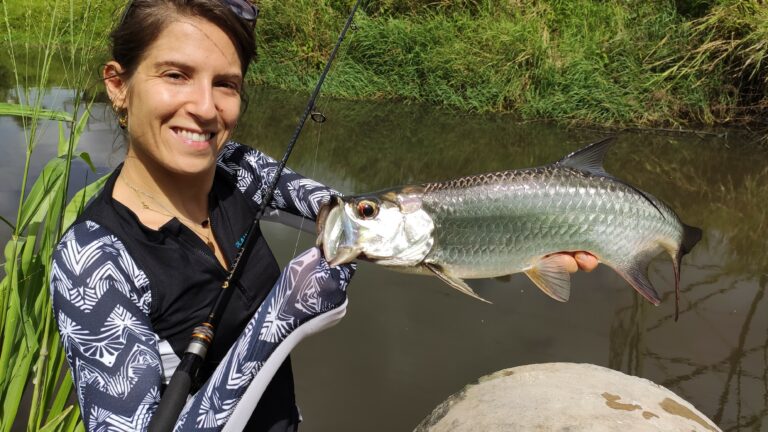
141 267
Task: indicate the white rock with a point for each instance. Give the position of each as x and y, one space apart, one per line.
565 397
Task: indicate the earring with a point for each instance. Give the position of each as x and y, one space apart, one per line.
122 119
122 116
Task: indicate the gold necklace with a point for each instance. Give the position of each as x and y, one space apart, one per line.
194 226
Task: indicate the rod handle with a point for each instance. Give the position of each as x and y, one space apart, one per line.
175 396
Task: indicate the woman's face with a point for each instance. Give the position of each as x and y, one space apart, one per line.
183 101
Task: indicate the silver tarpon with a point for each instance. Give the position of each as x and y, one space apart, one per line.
501 223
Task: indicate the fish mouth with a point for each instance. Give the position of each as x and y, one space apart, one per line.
335 235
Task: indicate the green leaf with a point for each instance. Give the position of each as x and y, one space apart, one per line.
13 249
28 251
79 426
51 232
87 159
11 312
42 193
63 145
82 122
76 206
62 394
55 369
54 422
69 144
9 109
30 333
5 285
16 386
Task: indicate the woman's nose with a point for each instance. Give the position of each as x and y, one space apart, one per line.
203 102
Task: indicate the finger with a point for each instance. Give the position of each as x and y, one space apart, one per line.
586 261
570 263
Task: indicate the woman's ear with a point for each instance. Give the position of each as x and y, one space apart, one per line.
116 85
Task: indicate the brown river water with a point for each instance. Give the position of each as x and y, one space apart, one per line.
410 341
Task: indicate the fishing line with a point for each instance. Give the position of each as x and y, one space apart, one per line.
319 118
312 174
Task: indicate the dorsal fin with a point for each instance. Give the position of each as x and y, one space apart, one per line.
590 159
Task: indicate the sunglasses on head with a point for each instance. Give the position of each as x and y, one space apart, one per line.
245 9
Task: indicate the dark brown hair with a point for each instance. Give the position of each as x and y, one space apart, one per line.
144 20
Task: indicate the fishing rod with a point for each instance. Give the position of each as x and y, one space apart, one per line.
175 396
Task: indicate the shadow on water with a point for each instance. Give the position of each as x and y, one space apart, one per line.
410 341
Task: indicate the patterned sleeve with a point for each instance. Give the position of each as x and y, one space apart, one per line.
101 302
254 171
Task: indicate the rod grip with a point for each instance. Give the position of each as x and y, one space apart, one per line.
175 396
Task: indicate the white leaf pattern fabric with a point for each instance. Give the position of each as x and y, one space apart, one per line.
255 170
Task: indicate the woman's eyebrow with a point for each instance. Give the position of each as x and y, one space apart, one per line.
172 63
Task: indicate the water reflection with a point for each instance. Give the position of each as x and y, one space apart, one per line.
409 341
715 356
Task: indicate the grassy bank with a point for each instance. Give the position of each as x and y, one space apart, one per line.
594 61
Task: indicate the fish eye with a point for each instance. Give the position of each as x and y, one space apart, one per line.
367 209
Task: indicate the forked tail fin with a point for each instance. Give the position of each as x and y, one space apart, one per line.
691 236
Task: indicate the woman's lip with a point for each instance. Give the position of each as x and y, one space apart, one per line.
191 142
180 131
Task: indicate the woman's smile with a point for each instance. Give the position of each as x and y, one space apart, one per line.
193 139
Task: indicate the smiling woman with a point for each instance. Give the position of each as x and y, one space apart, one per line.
141 267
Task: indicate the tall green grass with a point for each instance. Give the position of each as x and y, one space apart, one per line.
34 383
729 42
589 61
610 62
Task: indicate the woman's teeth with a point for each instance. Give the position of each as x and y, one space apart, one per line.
193 136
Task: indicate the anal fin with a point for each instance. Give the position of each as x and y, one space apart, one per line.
551 275
454 282
636 274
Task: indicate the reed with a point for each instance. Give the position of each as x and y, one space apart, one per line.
34 382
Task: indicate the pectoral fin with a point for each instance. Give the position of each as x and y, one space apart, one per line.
454 281
550 274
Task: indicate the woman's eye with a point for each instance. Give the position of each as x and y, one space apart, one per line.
174 76
367 209
230 85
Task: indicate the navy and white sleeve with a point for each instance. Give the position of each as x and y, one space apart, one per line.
101 302
294 193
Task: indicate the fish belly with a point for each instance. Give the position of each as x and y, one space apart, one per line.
503 227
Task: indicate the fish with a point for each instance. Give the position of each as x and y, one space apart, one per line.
517 221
